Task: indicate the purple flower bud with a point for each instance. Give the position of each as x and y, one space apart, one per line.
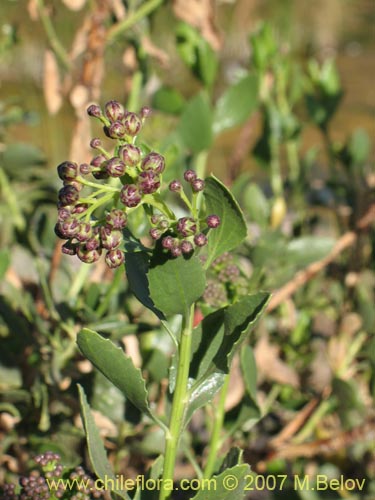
153 161
114 111
163 224
186 226
175 186
130 195
68 195
132 124
116 218
101 174
110 238
115 167
176 251
148 182
114 258
94 110
130 154
155 233
69 248
93 243
190 175
200 240
168 242
80 208
67 171
197 185
145 112
77 185
155 219
64 213
85 169
186 247
213 221
59 233
84 232
67 228
95 143
98 161
116 130
88 256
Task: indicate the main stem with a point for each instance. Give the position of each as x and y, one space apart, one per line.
179 403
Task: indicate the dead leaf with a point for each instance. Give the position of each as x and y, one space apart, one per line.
271 367
132 349
236 389
32 9
74 4
200 15
118 9
51 83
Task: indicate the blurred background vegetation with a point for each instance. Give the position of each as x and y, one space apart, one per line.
276 98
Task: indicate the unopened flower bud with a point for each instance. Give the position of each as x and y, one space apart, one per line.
186 226
98 161
155 233
114 111
80 208
94 110
64 213
116 130
168 242
85 169
67 228
132 124
145 112
84 232
116 218
176 251
200 239
130 195
197 185
69 248
148 182
153 161
95 143
67 171
110 238
190 175
175 186
130 154
68 195
114 258
213 221
88 256
186 247
115 167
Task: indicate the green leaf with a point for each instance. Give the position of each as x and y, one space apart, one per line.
4 262
137 264
176 283
117 367
168 100
203 393
195 127
229 485
232 230
249 371
236 104
95 446
302 251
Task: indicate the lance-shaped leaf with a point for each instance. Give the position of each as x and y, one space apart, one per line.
229 485
117 367
98 456
203 393
175 284
232 230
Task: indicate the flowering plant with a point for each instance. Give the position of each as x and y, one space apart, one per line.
167 272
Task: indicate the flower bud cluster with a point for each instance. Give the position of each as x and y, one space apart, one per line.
92 224
36 485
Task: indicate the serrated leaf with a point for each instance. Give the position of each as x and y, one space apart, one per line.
175 284
232 230
117 367
98 456
229 485
137 265
236 104
195 127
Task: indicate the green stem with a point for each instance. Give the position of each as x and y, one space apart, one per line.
144 10
179 404
293 160
215 441
133 100
79 280
55 43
